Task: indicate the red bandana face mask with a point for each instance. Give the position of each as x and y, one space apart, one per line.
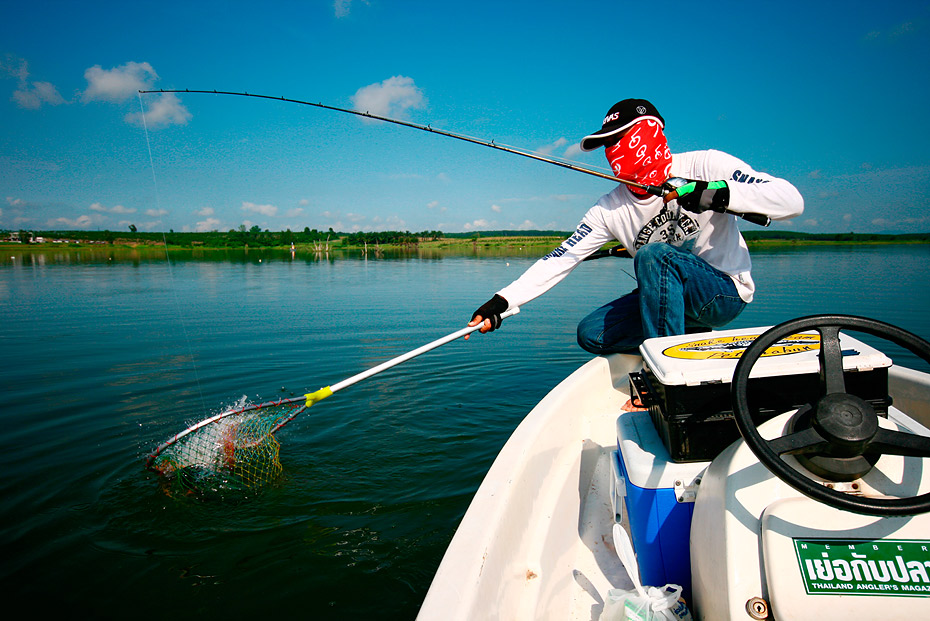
641 156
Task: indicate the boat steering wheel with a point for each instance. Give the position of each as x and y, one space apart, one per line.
838 425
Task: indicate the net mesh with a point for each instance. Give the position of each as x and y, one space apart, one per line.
236 453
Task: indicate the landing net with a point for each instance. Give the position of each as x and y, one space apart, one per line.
233 451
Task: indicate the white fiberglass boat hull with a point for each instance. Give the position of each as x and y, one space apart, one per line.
536 541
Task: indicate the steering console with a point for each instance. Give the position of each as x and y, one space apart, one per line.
837 437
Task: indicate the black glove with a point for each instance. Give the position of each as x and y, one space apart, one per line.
699 196
492 310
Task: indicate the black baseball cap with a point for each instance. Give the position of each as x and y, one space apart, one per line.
624 114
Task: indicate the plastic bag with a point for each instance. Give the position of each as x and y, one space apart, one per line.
654 605
641 603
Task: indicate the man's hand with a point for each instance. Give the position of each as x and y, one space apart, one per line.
490 314
699 196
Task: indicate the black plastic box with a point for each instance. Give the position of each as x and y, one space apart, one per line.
695 419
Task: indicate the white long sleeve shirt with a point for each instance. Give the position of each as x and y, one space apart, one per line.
634 222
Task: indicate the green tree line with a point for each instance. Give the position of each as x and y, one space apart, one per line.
256 237
236 238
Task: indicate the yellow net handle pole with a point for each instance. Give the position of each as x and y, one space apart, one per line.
323 393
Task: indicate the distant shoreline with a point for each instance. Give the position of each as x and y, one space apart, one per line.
540 243
318 241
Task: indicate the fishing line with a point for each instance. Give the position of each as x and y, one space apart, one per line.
427 128
174 291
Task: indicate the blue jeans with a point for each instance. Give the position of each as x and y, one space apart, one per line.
678 293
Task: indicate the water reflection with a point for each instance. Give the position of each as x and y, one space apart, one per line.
86 255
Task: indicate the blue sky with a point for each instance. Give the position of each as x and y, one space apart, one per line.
831 96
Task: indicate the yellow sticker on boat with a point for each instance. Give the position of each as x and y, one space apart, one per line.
723 347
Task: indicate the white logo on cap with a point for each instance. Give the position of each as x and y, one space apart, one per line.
641 109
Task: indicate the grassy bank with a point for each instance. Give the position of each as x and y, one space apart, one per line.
316 241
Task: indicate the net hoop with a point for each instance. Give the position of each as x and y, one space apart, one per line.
150 460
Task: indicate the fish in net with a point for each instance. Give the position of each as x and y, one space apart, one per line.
235 451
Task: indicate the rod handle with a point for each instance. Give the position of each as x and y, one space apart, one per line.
755 218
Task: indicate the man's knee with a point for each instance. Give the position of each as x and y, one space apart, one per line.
595 338
590 335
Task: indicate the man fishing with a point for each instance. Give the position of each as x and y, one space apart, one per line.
691 263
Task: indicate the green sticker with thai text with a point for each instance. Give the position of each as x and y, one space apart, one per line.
895 567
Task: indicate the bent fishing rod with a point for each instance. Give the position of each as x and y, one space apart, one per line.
661 191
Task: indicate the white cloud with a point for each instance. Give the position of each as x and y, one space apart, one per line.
206 211
156 213
391 98
14 202
527 225
293 213
888 223
32 97
205 226
115 209
481 223
573 151
550 148
15 67
496 208
118 84
391 223
434 205
265 210
82 222
167 110
29 95
893 34
561 198
342 8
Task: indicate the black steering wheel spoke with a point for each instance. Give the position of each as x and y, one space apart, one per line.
888 442
831 361
800 442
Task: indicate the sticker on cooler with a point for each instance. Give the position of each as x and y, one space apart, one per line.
723 347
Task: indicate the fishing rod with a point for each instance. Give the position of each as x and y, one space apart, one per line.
661 191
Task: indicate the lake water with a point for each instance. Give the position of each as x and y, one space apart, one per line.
108 352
